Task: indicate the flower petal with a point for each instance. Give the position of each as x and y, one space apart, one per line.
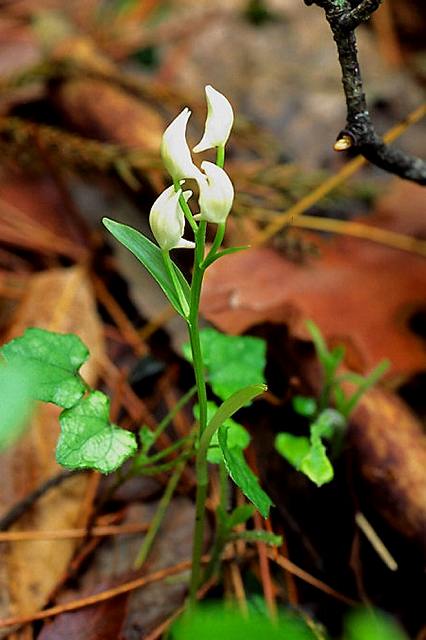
174 150
219 121
216 194
167 220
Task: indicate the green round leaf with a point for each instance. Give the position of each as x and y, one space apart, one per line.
89 441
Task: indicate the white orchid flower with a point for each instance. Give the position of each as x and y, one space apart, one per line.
175 152
219 121
167 220
216 194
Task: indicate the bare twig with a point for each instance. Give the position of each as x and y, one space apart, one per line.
359 132
349 169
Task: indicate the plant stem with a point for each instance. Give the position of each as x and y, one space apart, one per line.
178 288
159 515
185 208
220 156
222 530
170 416
201 467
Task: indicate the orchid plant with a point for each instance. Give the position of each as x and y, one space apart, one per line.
168 217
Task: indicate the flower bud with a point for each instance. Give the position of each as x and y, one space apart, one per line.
219 121
175 152
167 220
216 194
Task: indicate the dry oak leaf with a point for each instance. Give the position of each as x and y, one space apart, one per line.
359 293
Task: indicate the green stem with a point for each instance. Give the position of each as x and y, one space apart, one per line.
178 288
171 415
220 156
159 515
185 208
201 466
220 232
222 531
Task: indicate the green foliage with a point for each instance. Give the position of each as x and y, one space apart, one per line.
315 464
332 389
152 259
364 624
305 406
15 402
258 536
238 436
51 362
210 622
293 448
309 455
232 362
242 475
43 365
89 441
240 515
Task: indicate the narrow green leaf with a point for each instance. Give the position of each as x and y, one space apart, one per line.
240 515
224 252
147 437
330 360
258 536
227 409
368 382
232 362
243 476
238 436
89 441
151 257
292 448
51 361
318 340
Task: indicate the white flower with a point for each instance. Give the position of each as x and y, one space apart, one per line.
216 194
219 121
167 220
175 152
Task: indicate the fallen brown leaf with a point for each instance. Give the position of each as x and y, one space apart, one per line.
132 615
359 293
389 445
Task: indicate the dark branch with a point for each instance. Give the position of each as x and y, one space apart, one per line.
360 13
343 19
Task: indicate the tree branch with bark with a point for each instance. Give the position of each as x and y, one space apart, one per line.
359 133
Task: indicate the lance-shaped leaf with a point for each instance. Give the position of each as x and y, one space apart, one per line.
258 536
51 361
238 436
151 257
243 476
89 441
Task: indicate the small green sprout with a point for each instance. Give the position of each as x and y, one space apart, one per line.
309 454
